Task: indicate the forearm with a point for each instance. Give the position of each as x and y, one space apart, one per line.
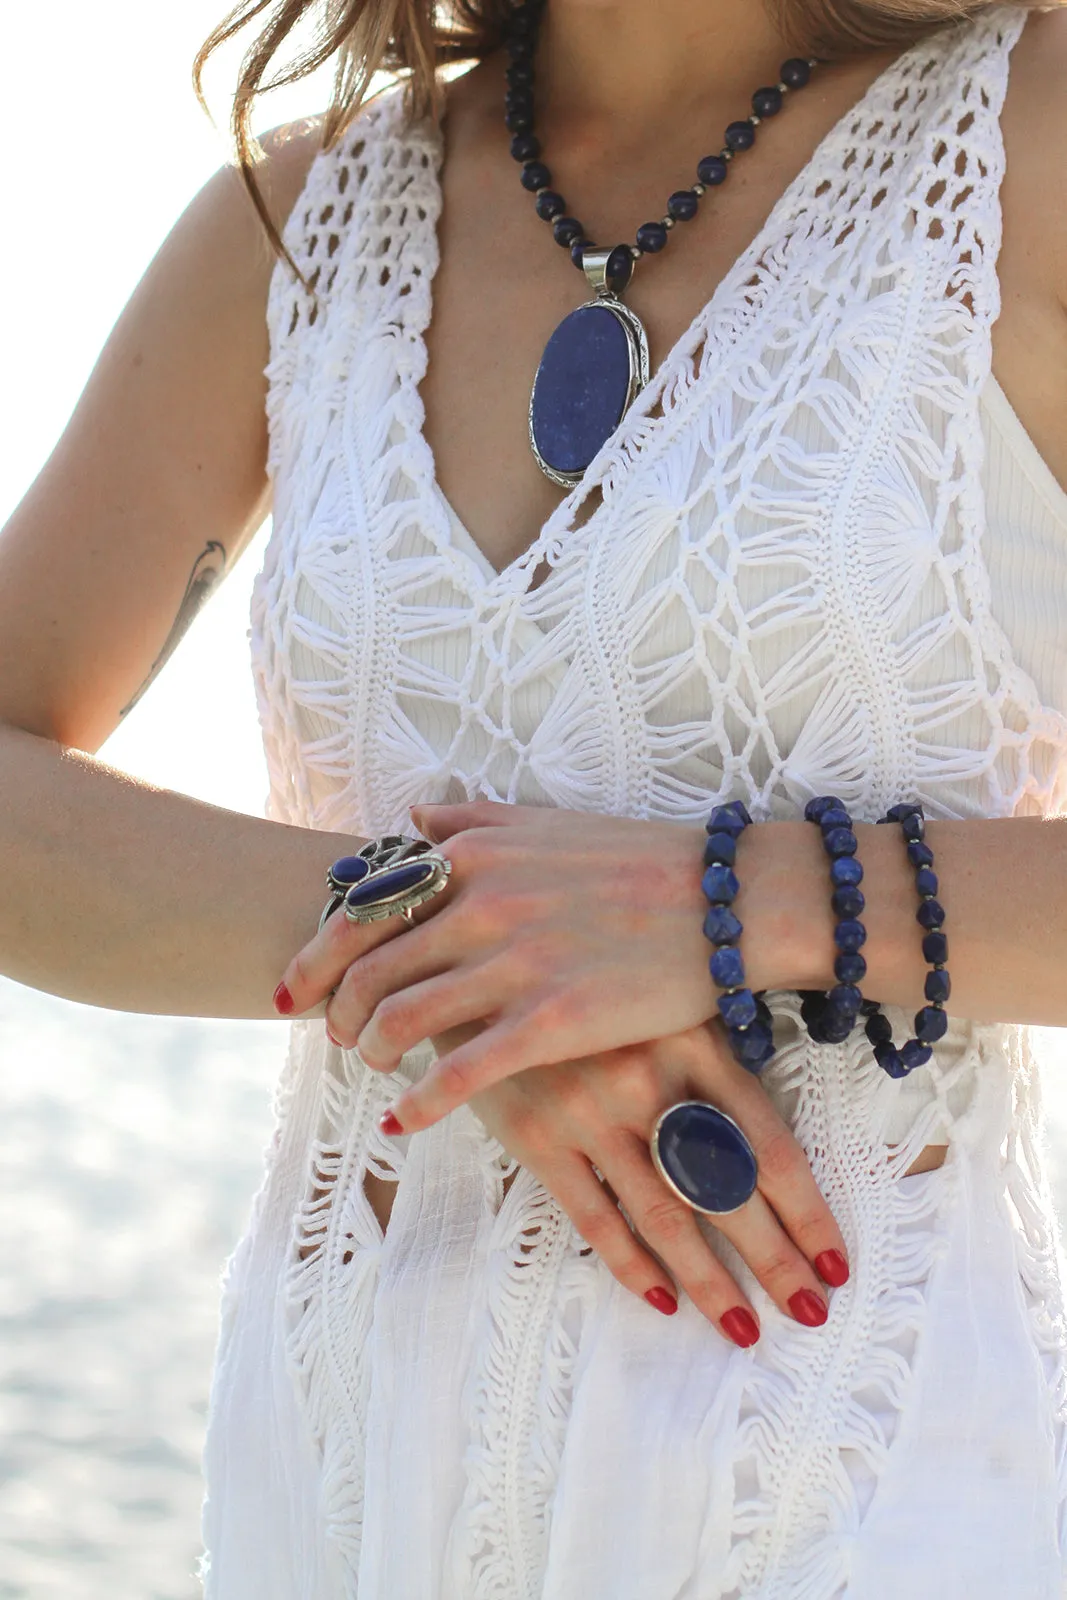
118 894
1003 885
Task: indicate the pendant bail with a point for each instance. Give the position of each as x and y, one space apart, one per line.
607 271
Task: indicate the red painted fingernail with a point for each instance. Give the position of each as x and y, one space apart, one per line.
283 1000
332 1038
740 1326
832 1268
390 1124
808 1308
662 1301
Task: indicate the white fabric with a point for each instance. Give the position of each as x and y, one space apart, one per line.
785 589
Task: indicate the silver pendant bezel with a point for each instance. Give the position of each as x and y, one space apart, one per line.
653 1145
637 348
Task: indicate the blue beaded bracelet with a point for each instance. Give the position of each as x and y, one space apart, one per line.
746 1015
831 1017
931 1022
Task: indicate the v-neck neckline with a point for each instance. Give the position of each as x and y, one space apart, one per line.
507 578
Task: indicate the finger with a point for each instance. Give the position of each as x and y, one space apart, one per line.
437 821
317 969
425 951
402 1020
601 1224
761 1241
498 1052
670 1227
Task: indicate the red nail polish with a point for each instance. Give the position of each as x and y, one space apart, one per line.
332 1038
740 1326
283 1000
832 1268
390 1124
662 1301
808 1308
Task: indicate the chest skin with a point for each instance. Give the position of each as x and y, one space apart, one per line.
503 283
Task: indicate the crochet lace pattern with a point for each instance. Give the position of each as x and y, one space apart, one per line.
826 610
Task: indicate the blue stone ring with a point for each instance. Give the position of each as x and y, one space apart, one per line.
702 1155
387 877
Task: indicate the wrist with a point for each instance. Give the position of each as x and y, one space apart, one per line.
784 905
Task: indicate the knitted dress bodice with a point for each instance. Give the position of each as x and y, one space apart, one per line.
779 590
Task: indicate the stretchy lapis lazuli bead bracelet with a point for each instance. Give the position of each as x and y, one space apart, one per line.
931 1022
831 1017
746 1015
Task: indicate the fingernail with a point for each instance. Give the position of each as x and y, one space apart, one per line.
283 1000
332 1038
808 1308
740 1326
662 1301
390 1124
832 1268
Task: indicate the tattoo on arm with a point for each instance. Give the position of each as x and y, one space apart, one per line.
208 569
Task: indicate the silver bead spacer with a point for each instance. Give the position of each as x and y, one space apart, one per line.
700 188
755 121
668 222
635 252
726 155
784 87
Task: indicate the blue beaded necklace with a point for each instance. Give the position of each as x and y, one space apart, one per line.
597 358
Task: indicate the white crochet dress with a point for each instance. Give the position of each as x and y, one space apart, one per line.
782 592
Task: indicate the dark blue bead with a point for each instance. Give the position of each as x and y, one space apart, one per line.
931 914
520 74
879 1029
618 269
815 809
520 121
753 1046
913 1054
706 1157
581 387
535 175
525 147
850 968
835 817
938 986
848 901
738 809
578 249
845 870
348 870
849 935
726 967
519 97
931 1024
520 48
738 1009
904 808
926 881
913 827
920 854
651 237
767 102
846 999
889 1060
935 948
721 926
565 230
836 1027
727 819
720 847
795 72
839 842
384 885
550 205
712 170
683 205
739 135
719 885
763 1011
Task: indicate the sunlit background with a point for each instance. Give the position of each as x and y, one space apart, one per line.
129 1146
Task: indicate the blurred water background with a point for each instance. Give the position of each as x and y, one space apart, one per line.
130 1146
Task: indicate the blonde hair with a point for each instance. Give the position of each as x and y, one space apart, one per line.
414 37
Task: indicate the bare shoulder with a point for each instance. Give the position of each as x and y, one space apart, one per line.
1035 140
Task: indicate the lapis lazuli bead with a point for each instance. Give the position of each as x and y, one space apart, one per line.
835 817
730 817
720 885
850 967
919 853
393 881
913 1054
816 808
845 869
931 1024
618 269
903 808
795 72
707 1157
721 926
839 842
848 901
753 1046
565 230
889 1060
581 389
535 175
550 205
846 998
525 147
739 135
913 827
931 914
651 238
738 1009
683 205
938 986
879 1029
720 847
926 881
348 870
935 948
712 170
849 935
727 968
767 102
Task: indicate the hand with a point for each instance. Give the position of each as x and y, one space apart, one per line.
562 1120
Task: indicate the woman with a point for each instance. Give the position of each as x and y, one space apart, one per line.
820 552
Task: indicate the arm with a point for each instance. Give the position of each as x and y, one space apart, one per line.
116 893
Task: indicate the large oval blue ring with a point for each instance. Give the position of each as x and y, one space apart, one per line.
702 1155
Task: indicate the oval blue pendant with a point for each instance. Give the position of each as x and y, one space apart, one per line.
703 1156
594 364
